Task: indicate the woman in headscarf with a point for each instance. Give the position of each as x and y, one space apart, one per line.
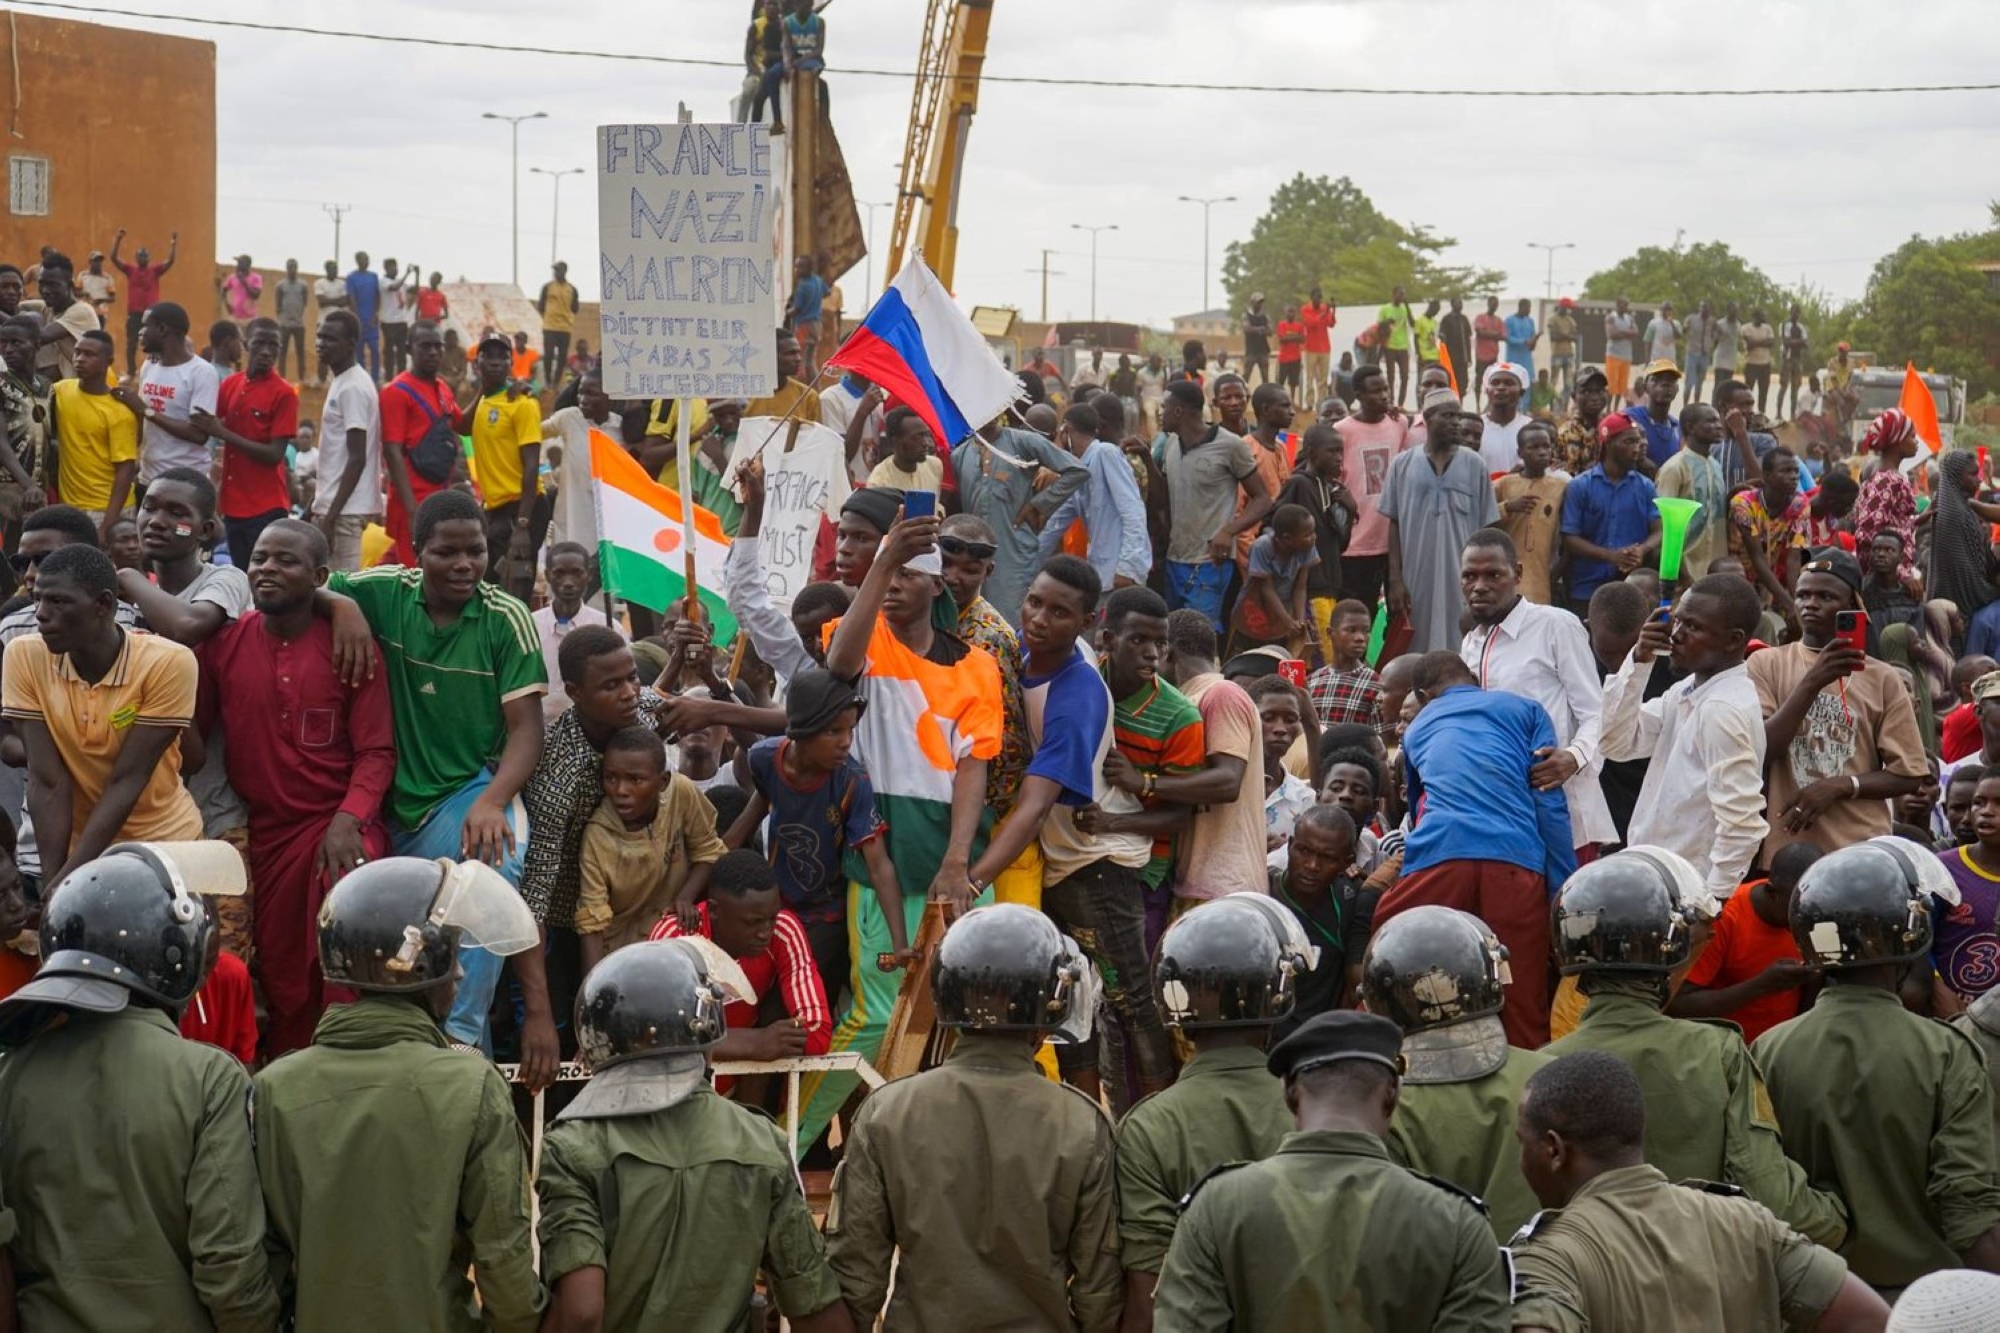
1886 500
1961 546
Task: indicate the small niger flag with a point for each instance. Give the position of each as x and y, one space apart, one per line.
1444 359
1920 407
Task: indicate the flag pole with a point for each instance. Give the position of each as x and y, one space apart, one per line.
684 474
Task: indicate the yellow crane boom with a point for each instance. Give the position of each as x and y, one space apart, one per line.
942 104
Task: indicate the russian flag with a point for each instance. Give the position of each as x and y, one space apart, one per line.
923 350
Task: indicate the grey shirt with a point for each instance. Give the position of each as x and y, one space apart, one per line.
1435 512
292 294
997 488
1619 331
1201 489
221 808
1723 340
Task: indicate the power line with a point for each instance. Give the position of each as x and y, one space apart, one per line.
1249 86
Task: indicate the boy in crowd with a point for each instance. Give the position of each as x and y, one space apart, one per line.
1347 689
1751 973
1531 509
1353 781
1965 780
1272 608
1319 887
822 812
1281 713
646 850
1316 487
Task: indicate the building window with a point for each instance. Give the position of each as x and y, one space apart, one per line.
28 186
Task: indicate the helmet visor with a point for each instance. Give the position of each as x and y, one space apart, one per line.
1932 879
1078 983
487 910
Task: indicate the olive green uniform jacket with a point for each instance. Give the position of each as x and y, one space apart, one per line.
1895 1112
1708 1116
680 1207
1225 1107
999 1188
392 1164
125 1155
1464 1133
1329 1234
1631 1250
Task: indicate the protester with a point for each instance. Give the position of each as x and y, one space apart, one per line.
349 496
1434 499
1373 436
646 850
1531 508
1202 466
1015 480
1750 973
97 437
1610 525
505 424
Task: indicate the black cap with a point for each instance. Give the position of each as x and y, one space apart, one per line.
1592 374
1256 662
1832 560
875 505
1344 1034
814 699
499 340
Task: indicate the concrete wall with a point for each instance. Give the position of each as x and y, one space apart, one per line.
126 121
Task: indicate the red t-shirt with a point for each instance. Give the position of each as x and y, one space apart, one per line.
1487 331
404 421
223 1013
430 303
1291 351
1319 321
142 285
1742 947
1960 737
263 410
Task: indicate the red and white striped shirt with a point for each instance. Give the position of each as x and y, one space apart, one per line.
788 963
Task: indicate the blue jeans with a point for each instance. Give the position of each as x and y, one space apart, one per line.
1697 371
440 836
371 345
1201 585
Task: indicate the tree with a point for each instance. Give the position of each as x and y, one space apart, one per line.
1710 271
1328 234
1926 303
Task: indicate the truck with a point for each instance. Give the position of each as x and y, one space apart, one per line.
1880 388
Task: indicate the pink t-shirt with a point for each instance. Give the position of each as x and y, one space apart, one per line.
1365 468
240 292
1224 849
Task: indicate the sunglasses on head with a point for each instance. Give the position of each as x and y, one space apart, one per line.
960 546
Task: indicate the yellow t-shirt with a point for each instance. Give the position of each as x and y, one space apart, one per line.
97 433
779 403
926 478
499 429
558 310
152 684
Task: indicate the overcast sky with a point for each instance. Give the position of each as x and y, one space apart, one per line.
1806 188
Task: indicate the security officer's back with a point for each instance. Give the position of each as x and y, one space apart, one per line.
1893 1109
1225 973
1328 1233
660 1199
1621 1247
1981 1022
997 1186
1620 928
124 1148
391 1162
1438 974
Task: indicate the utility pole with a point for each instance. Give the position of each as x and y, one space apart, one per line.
1078 226
1206 204
514 123
336 212
868 283
1046 273
1544 245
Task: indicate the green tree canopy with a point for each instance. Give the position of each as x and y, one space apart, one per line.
1926 303
1328 234
1710 271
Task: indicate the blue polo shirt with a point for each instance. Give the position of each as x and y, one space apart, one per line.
1521 345
1609 513
1663 438
1466 758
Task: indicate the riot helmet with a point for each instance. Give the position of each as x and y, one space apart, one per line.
1006 968
651 998
1225 964
1868 904
394 925
1437 973
1625 913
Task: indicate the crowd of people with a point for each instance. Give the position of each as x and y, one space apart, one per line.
1400 794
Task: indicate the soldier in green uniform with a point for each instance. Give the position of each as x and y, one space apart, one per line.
1892 1109
1328 1233
1981 1022
393 1163
997 1185
1438 974
1225 973
660 1199
1619 1246
1620 929
126 1148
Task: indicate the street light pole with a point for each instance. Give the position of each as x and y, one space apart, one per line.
514 122
555 214
1206 204
1550 289
869 282
1078 226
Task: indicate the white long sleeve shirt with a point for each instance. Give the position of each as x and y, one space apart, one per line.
1542 653
1703 796
748 596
